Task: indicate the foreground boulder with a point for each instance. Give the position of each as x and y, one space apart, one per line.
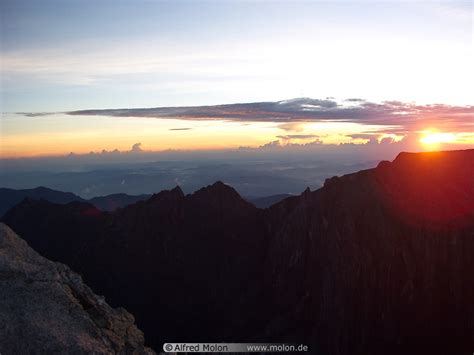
46 308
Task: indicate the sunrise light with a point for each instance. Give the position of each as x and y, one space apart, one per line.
431 138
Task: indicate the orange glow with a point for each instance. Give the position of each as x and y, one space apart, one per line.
414 188
438 138
59 134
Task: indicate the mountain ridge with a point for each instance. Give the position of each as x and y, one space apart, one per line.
347 268
11 197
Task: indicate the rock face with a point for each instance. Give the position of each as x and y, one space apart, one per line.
378 261
115 201
46 308
267 201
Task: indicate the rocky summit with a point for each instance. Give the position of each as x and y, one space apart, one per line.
45 308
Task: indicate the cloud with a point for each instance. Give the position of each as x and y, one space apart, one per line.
298 136
286 144
387 140
363 135
34 114
292 126
354 100
136 148
375 146
270 145
180 129
291 113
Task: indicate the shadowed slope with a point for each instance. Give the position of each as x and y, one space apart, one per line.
172 256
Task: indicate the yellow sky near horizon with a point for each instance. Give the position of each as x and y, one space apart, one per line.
60 134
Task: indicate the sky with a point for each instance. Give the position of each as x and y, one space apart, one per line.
59 57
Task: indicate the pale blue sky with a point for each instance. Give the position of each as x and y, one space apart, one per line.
65 55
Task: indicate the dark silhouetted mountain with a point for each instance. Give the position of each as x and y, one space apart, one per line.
11 197
378 261
114 201
45 308
167 250
267 201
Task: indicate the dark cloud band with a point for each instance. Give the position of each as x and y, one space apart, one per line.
403 115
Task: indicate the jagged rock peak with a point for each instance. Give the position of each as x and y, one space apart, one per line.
220 194
173 194
383 164
178 190
44 305
218 187
219 190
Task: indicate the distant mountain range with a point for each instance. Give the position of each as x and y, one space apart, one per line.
378 261
11 197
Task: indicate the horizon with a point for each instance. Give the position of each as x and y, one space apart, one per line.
300 122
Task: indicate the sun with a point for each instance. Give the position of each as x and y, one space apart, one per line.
433 138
